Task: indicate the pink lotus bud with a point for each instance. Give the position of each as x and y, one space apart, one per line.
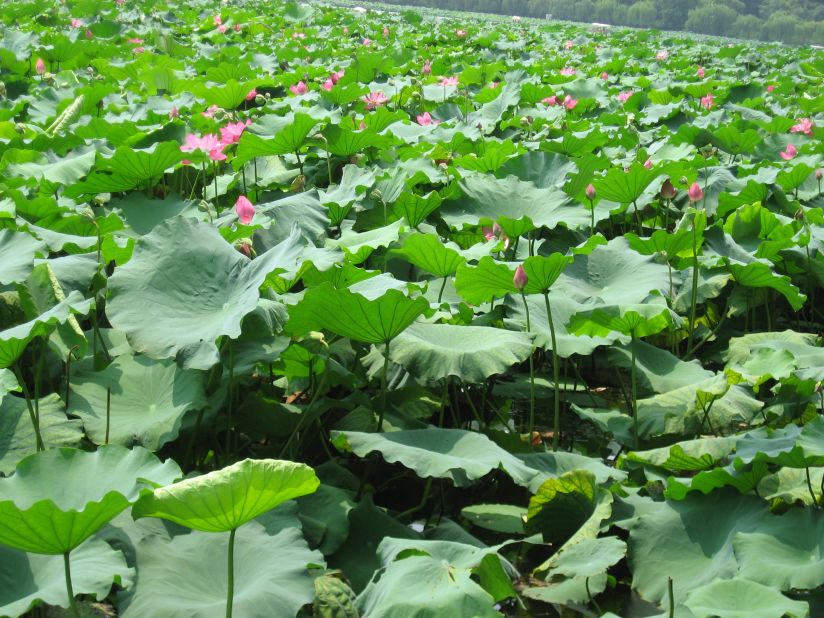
818 174
386 32
648 164
216 20
174 112
244 209
238 27
604 75
251 94
40 66
497 230
327 85
695 192
89 34
427 70
590 192
520 279
668 190
700 72
770 88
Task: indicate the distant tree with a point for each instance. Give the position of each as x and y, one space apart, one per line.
747 27
643 14
711 19
674 13
605 11
780 27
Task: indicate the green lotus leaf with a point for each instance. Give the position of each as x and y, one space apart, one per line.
270 575
543 271
63 170
287 134
485 282
32 578
226 499
17 253
17 437
625 187
179 261
58 498
13 341
135 400
588 557
428 252
761 275
503 518
352 315
741 598
455 454
568 590
634 320
562 506
431 352
415 208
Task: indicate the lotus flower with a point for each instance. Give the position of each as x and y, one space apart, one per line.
238 27
700 72
425 119
386 32
210 111
222 28
40 66
494 85
770 88
217 20
174 112
662 55
569 102
648 164
76 23
250 96
427 69
138 50
567 71
590 192
460 33
336 76
788 153
568 44
374 99
327 85
819 174
553 100
230 134
367 42
244 209
707 102
624 96
449 81
520 279
299 88
695 193
667 190
805 126
209 144
135 41
89 34
604 75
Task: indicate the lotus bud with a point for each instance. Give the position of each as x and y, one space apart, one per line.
520 279
695 192
88 213
667 190
590 192
818 174
244 209
244 245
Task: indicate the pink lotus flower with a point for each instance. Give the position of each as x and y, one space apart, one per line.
89 34
520 279
230 134
805 126
120 2
298 35
667 190
770 88
496 232
695 193
788 153
238 27
138 50
40 66
604 75
374 99
210 111
174 112
244 209
217 20
346 30
648 164
208 144
701 73
569 102
567 71
76 23
662 55
221 28
336 76
624 96
553 100
590 192
449 81
299 88
427 69
460 33
568 44
367 42
135 41
386 32
327 85
425 119
250 96
708 101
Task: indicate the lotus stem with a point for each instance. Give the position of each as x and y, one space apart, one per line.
556 426
230 573
230 397
671 613
440 294
108 411
634 392
531 375
810 488
217 199
67 569
383 385
694 296
34 420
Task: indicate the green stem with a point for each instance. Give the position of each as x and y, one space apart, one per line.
694 298
108 411
810 487
556 427
230 397
217 200
531 376
69 590
671 613
230 573
440 294
634 393
34 421
383 385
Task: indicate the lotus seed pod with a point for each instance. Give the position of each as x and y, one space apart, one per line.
20 127
376 195
2 90
684 180
260 99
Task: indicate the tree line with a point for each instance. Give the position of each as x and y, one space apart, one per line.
797 22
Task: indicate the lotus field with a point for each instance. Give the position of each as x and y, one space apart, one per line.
321 311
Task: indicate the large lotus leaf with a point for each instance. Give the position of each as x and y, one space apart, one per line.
543 271
485 282
761 275
225 499
745 353
786 554
135 400
288 134
507 200
612 274
58 498
634 320
26 579
428 252
741 598
431 352
359 245
554 464
48 166
625 187
442 573
562 308
504 518
17 437
352 315
578 590
13 341
687 455
17 253
790 485
690 541
455 454
198 287
588 557
325 517
271 579
415 208
659 370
